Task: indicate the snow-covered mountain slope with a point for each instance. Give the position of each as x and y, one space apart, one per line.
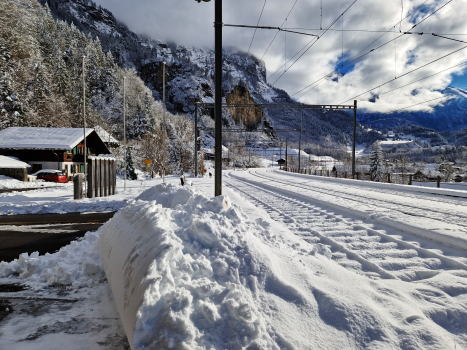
190 78
450 116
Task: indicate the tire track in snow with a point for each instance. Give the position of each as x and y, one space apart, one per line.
355 245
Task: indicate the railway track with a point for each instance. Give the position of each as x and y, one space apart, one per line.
372 250
452 210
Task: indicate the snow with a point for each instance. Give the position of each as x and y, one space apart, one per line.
77 264
459 91
104 135
247 271
60 199
7 182
12 162
41 138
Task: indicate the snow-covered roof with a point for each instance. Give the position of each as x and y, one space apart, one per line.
41 138
104 135
12 163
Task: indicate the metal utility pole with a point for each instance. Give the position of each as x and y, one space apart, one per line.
164 131
300 144
196 139
84 132
286 162
124 137
354 137
218 97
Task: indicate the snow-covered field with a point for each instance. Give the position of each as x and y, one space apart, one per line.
283 261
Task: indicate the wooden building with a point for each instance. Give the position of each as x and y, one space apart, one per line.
51 148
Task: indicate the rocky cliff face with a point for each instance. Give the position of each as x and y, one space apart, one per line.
250 117
190 78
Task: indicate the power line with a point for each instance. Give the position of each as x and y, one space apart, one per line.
371 31
259 19
315 41
355 58
390 29
439 36
413 70
267 27
321 20
346 64
429 76
278 32
444 96
423 20
402 11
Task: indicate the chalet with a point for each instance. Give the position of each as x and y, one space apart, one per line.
281 162
419 176
51 148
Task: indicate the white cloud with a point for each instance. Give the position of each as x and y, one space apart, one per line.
191 23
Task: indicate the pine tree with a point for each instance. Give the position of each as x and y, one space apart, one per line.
376 162
130 169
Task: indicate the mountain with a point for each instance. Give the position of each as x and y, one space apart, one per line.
190 79
451 116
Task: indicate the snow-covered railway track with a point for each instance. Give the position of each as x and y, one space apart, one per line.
450 212
378 252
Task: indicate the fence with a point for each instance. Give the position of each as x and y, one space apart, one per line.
396 178
102 177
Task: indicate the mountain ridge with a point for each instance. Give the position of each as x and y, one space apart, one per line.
190 78
452 113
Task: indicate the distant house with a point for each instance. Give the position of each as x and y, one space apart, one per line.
281 162
13 167
419 176
51 148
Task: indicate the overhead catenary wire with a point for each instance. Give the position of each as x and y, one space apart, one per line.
374 41
257 25
278 32
416 81
413 70
434 99
310 46
321 20
356 57
371 31
402 12
268 27
349 62
444 37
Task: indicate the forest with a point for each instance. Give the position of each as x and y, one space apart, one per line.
45 64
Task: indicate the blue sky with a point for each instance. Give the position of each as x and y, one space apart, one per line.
460 81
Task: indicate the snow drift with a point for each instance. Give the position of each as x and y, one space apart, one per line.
76 265
181 273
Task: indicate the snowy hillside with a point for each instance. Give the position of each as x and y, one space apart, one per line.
450 116
190 77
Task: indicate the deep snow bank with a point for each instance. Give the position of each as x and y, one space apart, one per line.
76 265
181 273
